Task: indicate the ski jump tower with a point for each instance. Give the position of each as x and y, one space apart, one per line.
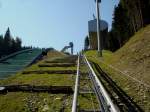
67 47
92 25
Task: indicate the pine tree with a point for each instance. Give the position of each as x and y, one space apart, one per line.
129 17
134 12
113 43
145 8
7 42
86 43
18 44
13 46
1 45
121 26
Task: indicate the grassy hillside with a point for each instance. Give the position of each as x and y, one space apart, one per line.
52 70
134 57
129 67
39 102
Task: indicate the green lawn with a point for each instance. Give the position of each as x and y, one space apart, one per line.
88 102
41 79
37 102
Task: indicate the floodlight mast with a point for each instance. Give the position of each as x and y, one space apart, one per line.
98 28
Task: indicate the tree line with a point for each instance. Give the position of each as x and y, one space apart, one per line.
8 44
129 17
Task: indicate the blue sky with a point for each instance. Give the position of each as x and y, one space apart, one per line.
51 23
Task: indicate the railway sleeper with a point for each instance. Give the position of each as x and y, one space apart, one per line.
60 61
58 65
63 60
30 88
50 72
89 110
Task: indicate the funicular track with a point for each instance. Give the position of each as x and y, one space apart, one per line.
90 94
103 100
110 97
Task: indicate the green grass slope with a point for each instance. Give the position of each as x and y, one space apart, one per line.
129 67
134 57
39 102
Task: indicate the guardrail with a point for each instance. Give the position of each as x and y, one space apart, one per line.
76 91
14 54
110 105
35 59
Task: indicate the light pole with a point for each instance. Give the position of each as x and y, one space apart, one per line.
98 28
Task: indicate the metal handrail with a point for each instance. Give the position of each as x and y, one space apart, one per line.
15 53
112 107
76 90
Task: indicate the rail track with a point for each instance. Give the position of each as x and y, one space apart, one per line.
104 102
94 90
109 96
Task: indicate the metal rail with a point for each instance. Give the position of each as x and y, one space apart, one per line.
35 58
108 105
76 90
13 54
102 104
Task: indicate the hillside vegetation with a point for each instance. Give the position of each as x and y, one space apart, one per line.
56 70
129 67
42 74
134 57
